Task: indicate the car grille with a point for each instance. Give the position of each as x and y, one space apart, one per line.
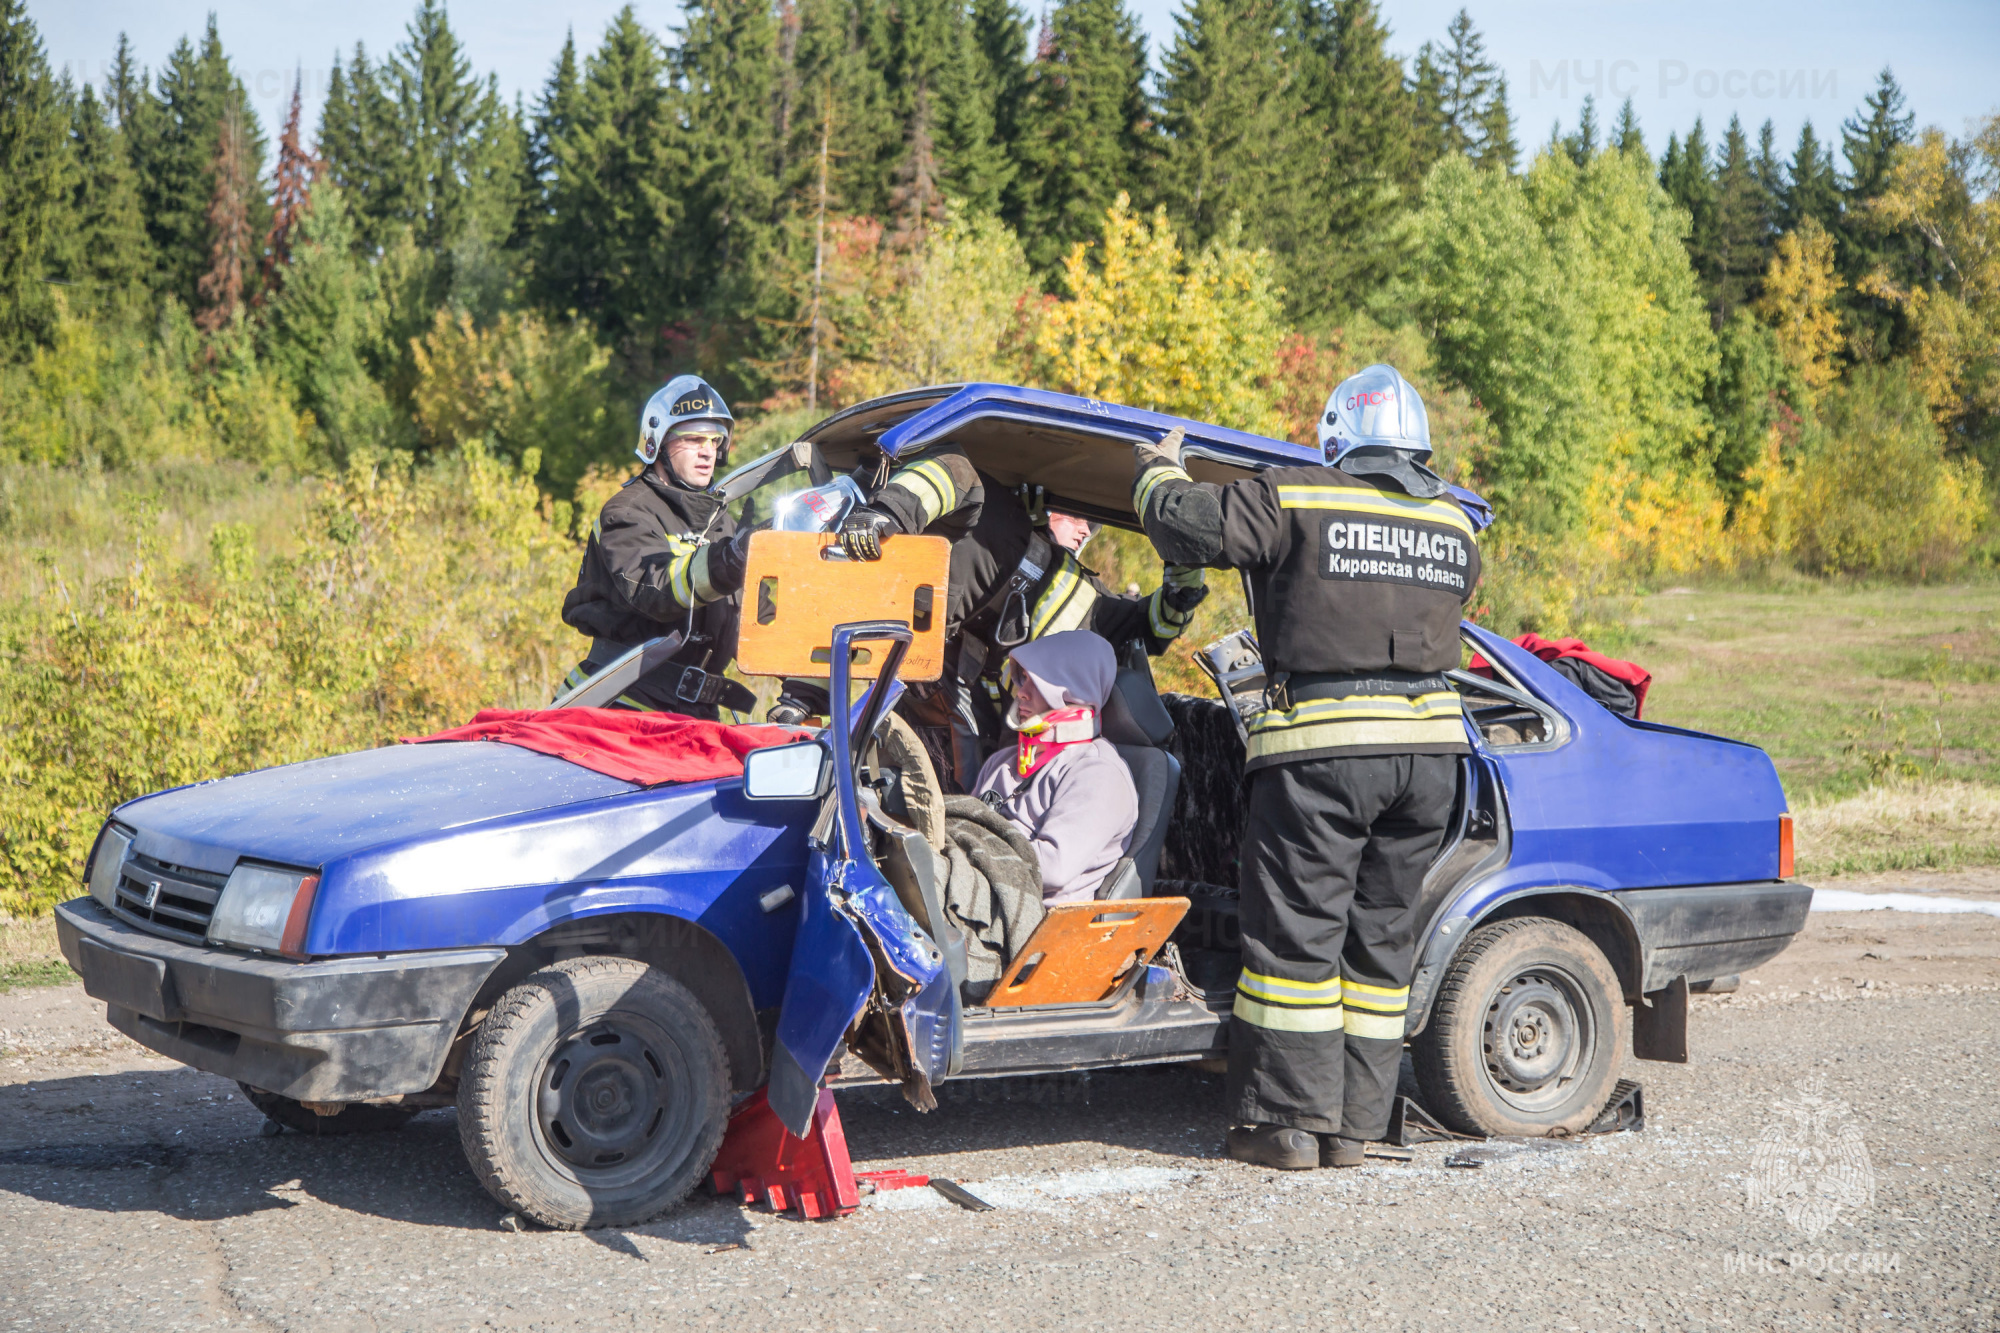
167 899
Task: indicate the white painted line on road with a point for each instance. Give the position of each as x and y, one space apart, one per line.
1846 900
1040 1193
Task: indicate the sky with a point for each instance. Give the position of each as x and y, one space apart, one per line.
1784 62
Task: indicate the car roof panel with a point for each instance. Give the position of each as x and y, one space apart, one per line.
1079 449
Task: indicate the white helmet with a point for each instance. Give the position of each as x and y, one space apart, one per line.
1376 407
685 398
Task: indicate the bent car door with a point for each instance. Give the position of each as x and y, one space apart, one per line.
860 961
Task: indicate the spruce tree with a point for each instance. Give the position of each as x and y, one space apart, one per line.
1625 135
1365 167
458 176
359 141
1582 144
173 139
837 76
944 109
219 290
1812 189
730 255
1739 245
322 331
291 192
1086 130
1688 177
1457 90
1496 132
1864 246
617 171
109 258
555 115
1231 104
1001 31
35 172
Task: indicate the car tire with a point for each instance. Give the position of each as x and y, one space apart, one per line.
355 1118
1526 1033
595 1094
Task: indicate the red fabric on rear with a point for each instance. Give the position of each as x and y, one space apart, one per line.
646 748
1630 673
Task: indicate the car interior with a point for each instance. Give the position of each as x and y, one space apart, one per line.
1176 888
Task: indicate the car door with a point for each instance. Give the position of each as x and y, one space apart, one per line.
859 957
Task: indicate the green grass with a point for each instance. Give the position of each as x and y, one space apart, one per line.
28 954
1845 687
45 972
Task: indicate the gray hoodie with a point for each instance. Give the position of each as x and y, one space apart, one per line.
1080 807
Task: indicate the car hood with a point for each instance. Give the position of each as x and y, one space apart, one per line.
310 813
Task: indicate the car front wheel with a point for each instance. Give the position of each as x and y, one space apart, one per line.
595 1094
1525 1035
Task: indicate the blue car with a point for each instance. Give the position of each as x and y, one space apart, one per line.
595 972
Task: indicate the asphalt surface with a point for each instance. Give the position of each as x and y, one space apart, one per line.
135 1194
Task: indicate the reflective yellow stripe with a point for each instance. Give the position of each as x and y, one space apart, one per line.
928 480
597 527
1319 1018
1366 501
679 568
1163 620
1261 987
1380 1027
1378 996
1355 734
704 591
1067 602
1439 704
1143 491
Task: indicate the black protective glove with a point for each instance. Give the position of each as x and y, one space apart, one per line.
1185 587
797 701
1167 453
727 561
862 533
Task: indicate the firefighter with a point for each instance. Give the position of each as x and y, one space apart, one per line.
664 556
1012 581
1357 572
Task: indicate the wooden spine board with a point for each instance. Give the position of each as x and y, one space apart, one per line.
1076 956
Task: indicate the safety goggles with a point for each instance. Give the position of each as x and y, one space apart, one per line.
712 438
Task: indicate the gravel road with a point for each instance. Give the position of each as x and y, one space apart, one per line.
137 1194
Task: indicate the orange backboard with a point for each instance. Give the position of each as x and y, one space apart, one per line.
793 596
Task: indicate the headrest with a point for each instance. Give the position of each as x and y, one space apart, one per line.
1134 715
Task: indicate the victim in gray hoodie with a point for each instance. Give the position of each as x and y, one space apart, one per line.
1079 809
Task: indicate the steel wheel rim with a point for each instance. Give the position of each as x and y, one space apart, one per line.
1538 1038
610 1102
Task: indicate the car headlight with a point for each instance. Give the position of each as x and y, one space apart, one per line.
265 907
107 858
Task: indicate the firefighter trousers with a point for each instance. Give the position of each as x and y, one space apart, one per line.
1334 854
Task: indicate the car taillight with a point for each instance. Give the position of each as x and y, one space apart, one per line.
293 943
1784 846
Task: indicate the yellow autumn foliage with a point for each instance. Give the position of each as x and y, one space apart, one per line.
1799 291
417 596
1150 325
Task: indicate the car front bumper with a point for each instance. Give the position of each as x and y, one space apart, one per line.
342 1030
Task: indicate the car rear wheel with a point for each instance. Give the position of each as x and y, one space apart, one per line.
1526 1032
354 1118
595 1094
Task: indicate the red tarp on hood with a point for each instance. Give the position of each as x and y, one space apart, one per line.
646 748
1630 673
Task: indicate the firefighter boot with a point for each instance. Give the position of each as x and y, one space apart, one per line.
1280 1146
1336 1151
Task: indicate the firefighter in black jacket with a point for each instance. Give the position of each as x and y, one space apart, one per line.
1012 580
665 556
1357 572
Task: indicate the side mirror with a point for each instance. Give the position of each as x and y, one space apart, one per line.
799 772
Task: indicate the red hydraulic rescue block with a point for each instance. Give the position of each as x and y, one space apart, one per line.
766 1163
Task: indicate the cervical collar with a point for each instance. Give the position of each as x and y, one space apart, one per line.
1050 734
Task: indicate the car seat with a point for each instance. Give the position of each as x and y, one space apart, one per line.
1137 723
